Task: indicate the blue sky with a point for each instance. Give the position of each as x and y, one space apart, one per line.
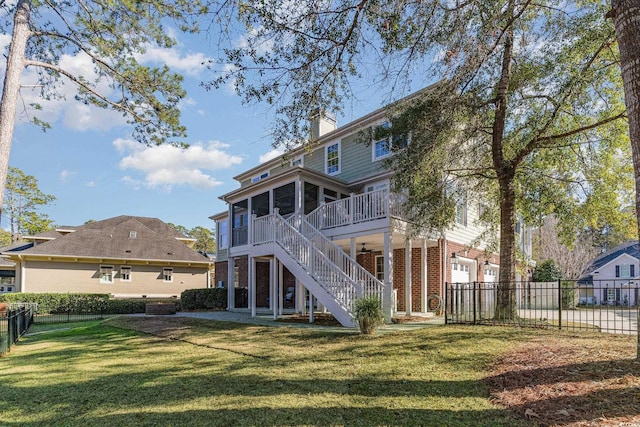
89 162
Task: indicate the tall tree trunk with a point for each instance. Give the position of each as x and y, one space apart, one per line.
11 89
626 19
505 303
505 298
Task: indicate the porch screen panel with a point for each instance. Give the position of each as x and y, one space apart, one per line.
284 198
260 204
311 193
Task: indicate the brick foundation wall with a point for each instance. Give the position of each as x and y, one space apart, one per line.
262 284
221 273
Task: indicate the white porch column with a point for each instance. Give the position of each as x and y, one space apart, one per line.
299 189
311 313
387 298
22 276
252 286
252 219
280 276
423 276
407 277
273 287
231 285
301 302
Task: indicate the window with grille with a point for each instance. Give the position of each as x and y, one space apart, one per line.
106 274
167 275
125 274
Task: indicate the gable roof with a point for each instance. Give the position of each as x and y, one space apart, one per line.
631 248
123 237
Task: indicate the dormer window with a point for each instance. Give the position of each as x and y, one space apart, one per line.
259 177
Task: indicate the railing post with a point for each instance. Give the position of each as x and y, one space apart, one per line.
559 303
352 207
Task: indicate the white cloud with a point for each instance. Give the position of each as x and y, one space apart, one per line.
66 174
90 184
78 116
167 166
276 152
74 115
191 63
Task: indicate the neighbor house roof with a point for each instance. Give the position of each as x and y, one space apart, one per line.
123 237
631 248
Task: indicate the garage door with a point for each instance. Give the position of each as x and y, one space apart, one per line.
460 273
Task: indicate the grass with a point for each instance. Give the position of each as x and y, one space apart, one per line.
172 371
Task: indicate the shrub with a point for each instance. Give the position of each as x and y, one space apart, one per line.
210 298
569 294
61 303
547 271
368 312
84 303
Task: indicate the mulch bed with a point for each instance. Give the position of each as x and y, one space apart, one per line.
322 319
591 380
409 319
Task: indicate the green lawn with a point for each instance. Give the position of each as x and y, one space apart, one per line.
195 372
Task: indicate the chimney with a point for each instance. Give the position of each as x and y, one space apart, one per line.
321 124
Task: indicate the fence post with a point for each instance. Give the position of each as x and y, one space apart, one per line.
559 303
474 302
446 306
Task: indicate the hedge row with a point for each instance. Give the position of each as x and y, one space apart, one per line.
196 299
83 303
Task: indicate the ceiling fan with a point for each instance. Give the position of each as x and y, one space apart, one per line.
364 250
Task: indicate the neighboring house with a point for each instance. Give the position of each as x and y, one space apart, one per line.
7 276
125 256
321 228
613 277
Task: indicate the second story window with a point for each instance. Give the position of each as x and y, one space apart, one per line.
260 177
333 159
125 274
223 234
167 275
382 147
106 274
461 210
625 270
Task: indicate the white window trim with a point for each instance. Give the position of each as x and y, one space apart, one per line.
106 268
298 161
375 267
164 275
376 158
260 177
122 275
326 158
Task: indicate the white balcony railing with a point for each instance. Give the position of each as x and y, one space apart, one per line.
352 210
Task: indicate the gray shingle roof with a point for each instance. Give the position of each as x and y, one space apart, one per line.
122 237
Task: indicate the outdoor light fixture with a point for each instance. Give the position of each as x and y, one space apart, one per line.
454 258
486 263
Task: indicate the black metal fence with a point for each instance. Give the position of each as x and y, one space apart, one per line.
14 322
604 306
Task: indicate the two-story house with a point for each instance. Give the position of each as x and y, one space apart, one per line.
321 228
613 278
